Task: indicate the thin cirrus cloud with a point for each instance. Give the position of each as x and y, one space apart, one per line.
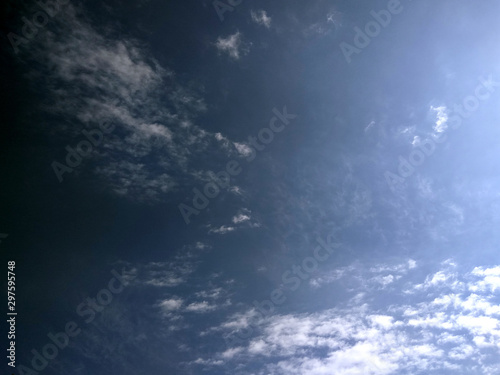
223 229
243 215
94 77
175 308
200 307
233 45
240 218
171 304
167 273
260 17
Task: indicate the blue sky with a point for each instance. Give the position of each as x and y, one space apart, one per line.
236 187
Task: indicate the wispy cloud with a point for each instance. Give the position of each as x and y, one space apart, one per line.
242 219
232 45
92 76
171 304
441 118
261 18
200 307
243 149
222 229
242 216
170 273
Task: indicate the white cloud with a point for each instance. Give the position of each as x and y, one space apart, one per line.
222 229
201 245
382 274
428 334
490 281
328 277
212 293
440 279
220 137
441 118
334 17
232 45
239 321
200 307
384 280
170 273
236 190
261 18
401 268
167 274
231 352
94 76
384 321
243 149
209 362
462 352
171 304
370 125
240 218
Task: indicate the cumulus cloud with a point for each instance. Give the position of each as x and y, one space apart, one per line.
437 330
171 304
490 281
441 118
243 216
240 218
232 45
261 18
212 293
243 149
